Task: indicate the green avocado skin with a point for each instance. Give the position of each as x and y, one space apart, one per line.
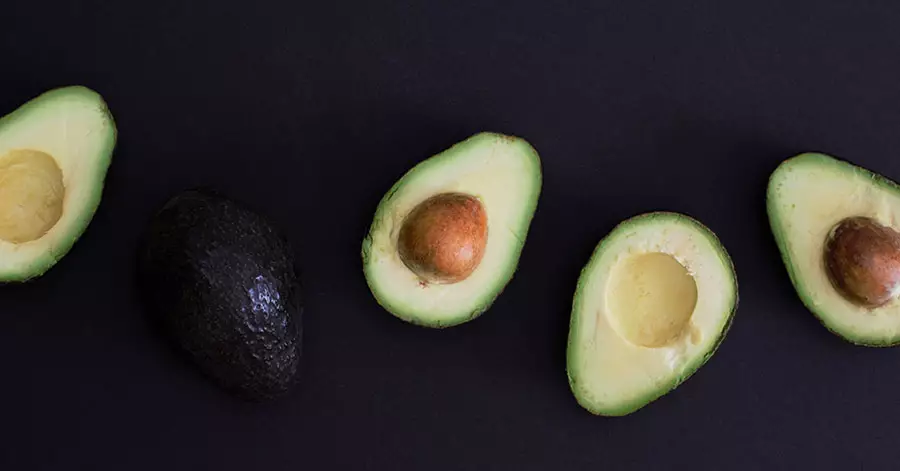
220 282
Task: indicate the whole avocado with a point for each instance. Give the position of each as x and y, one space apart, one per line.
220 281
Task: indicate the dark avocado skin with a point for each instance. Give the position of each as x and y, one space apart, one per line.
220 282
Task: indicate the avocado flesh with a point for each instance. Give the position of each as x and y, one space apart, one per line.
54 154
504 173
808 195
639 326
220 281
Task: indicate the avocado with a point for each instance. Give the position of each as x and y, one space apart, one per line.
220 281
651 306
54 154
836 226
446 238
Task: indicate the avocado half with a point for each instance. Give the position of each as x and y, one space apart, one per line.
651 306
54 154
504 174
808 195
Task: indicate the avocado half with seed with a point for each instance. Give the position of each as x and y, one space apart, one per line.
836 227
447 237
652 305
54 154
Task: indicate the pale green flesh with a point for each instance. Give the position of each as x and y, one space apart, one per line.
73 126
807 196
612 376
504 173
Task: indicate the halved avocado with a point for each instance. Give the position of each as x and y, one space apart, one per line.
652 305
54 154
447 237
836 227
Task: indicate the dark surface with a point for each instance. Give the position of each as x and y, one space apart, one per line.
309 111
219 281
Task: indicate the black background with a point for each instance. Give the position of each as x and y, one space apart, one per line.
309 111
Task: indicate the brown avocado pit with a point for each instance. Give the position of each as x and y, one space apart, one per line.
862 259
442 240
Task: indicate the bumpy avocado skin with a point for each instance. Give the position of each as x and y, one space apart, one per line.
220 281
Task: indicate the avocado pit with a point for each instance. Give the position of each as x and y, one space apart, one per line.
31 195
862 259
442 240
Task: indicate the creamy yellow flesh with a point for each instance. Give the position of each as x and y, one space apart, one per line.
654 303
651 299
498 171
812 195
73 131
31 195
